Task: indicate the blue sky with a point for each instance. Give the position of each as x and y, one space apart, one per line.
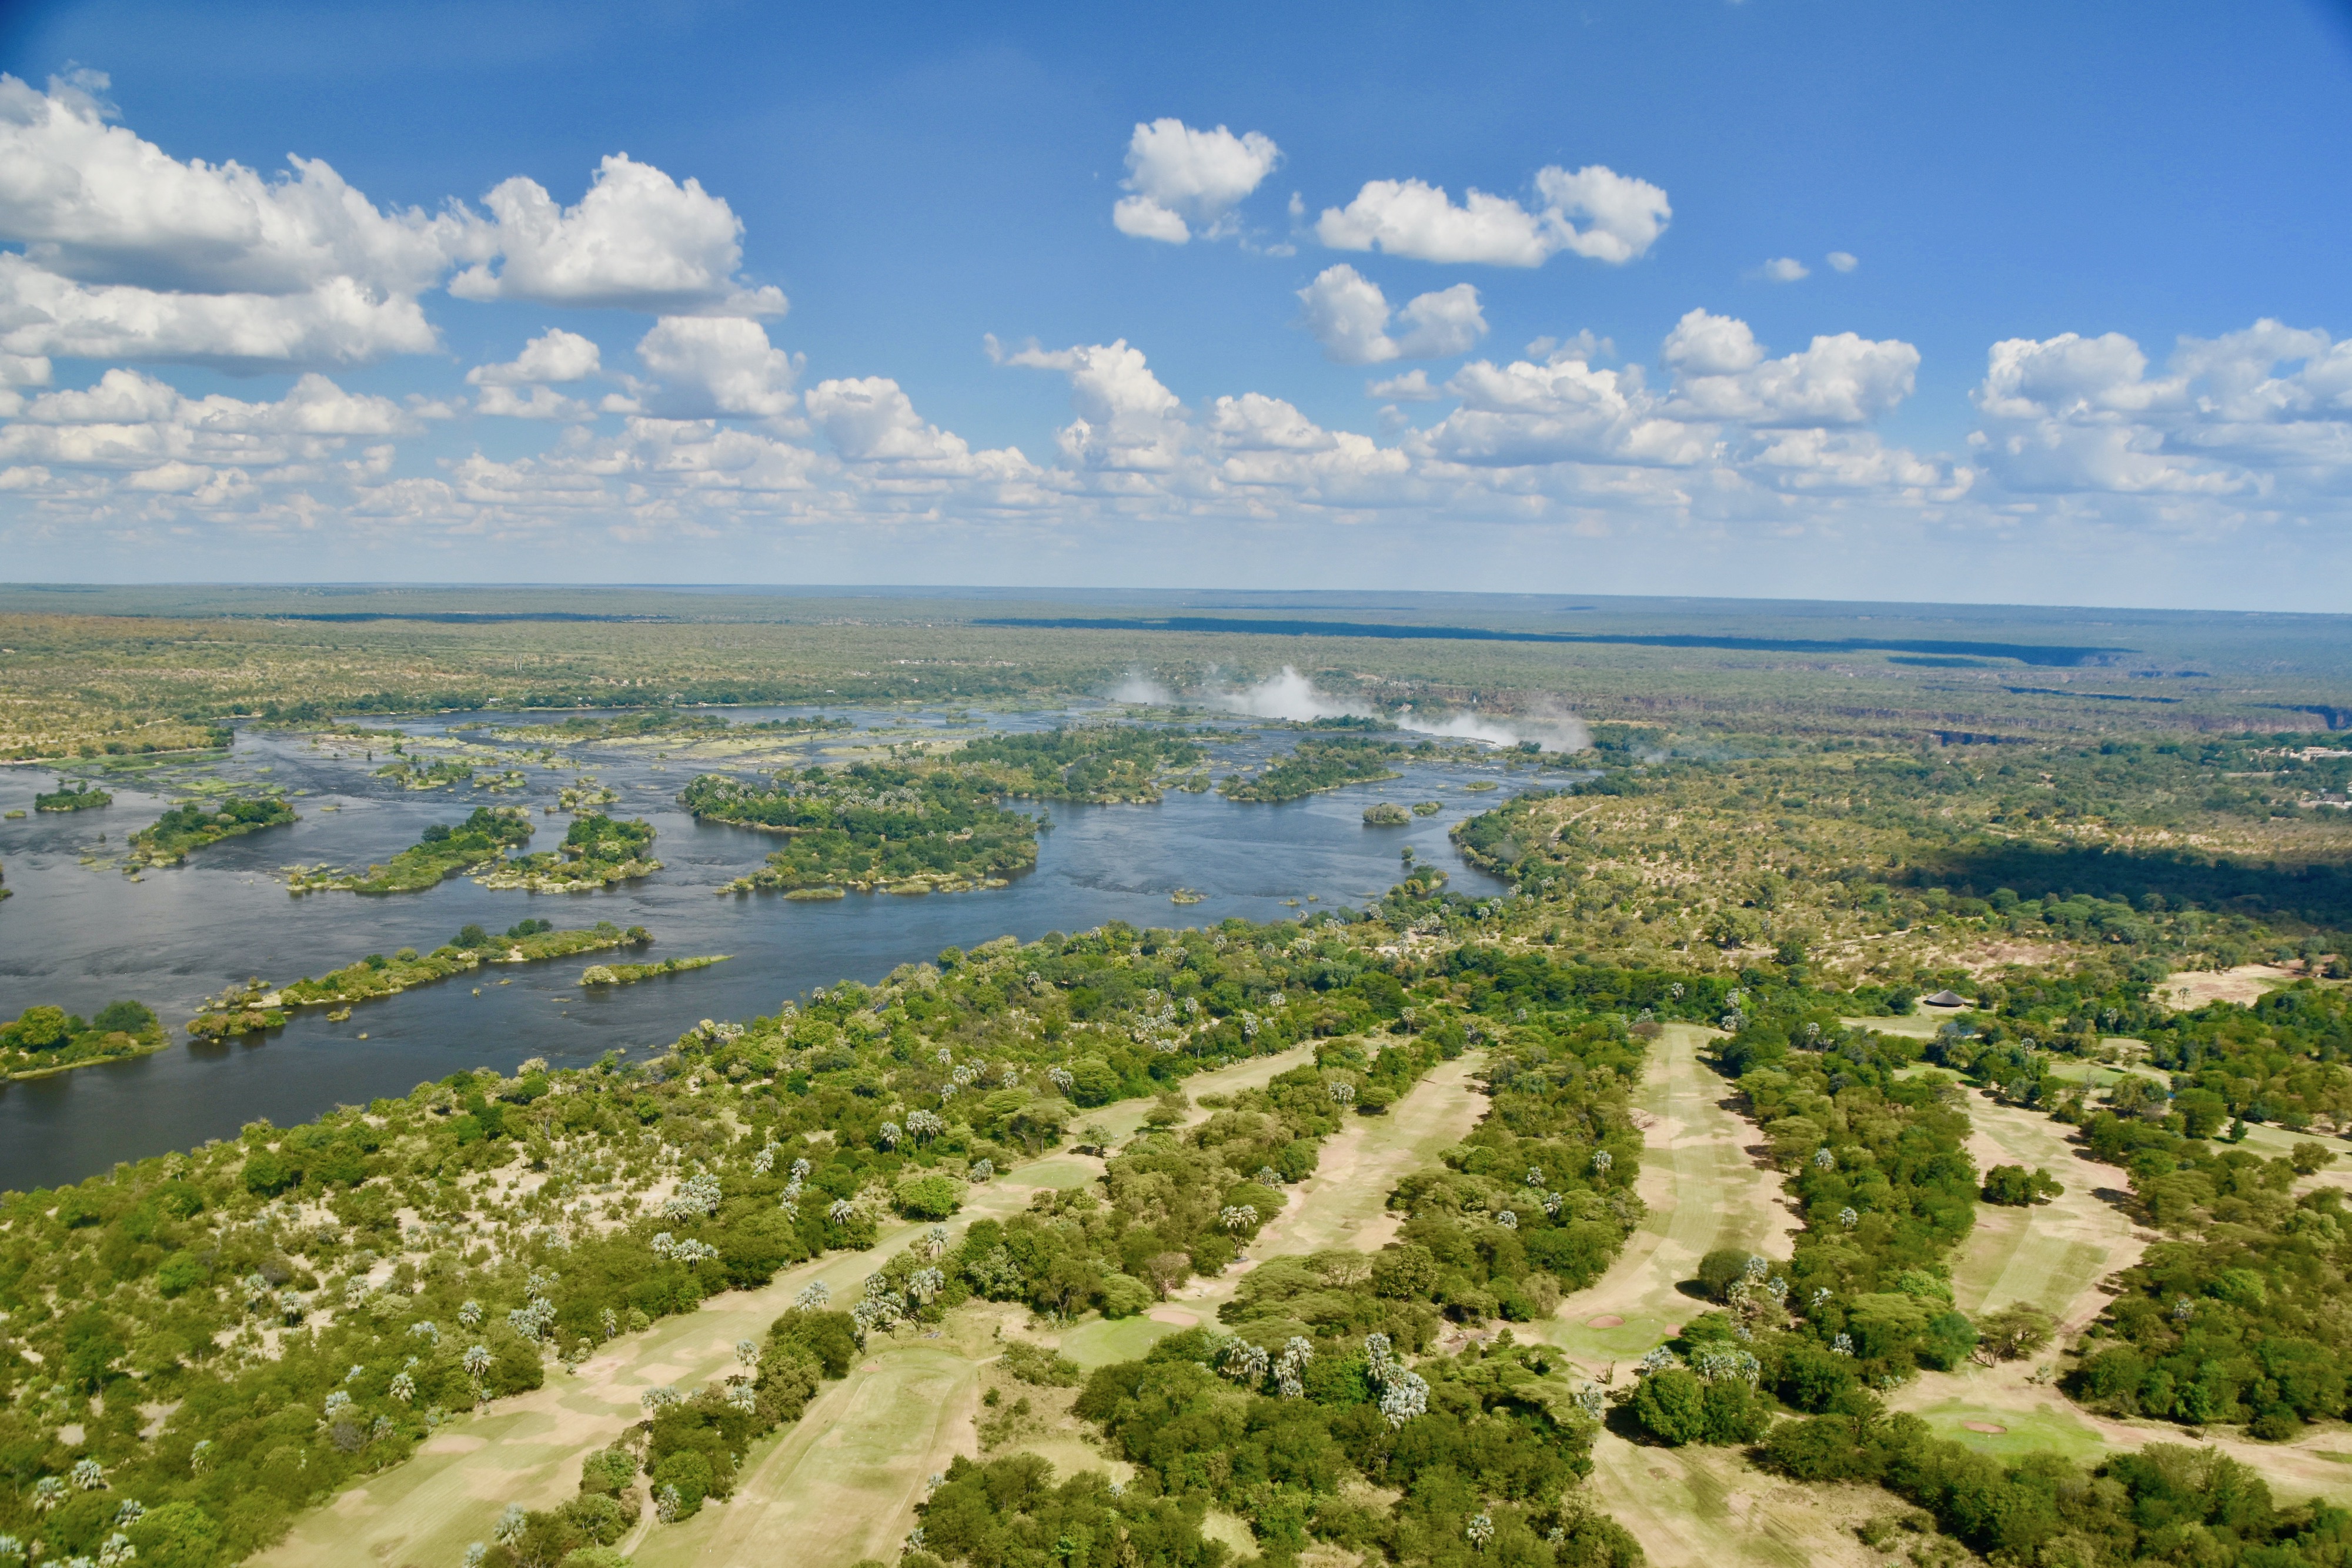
875 340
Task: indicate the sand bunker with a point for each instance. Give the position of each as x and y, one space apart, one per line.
1605 1320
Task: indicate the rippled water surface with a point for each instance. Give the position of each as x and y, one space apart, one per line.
79 935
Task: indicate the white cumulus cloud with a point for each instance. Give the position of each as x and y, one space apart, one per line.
1128 421
1721 374
1185 181
638 240
1349 317
129 253
1623 217
2265 412
870 420
713 365
554 356
1842 261
1410 387
1784 269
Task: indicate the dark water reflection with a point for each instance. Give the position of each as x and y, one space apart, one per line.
81 936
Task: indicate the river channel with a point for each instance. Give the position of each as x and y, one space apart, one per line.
78 933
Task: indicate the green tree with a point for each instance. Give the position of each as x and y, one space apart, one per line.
1735 1412
2016 1187
124 1018
1720 1270
1670 1406
175 1535
38 1029
927 1197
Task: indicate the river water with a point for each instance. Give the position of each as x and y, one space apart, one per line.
80 934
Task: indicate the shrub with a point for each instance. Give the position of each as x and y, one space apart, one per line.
1035 1364
1123 1296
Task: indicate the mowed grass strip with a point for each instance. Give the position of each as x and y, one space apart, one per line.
1704 1191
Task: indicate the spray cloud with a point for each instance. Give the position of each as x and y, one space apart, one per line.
1292 697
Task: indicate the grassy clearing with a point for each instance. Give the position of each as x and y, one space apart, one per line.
1101 1341
1703 1190
1345 1202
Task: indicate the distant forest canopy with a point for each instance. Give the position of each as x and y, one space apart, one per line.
105 672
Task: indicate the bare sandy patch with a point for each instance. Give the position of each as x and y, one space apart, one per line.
2244 985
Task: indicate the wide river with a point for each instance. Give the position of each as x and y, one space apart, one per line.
78 933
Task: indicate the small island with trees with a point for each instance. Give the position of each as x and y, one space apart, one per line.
187 828
255 1008
80 797
442 851
874 827
597 851
1319 764
45 1039
630 974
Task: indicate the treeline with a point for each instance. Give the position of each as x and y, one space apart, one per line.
667 721
2242 1319
2165 1503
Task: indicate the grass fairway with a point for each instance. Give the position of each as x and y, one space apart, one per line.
842 1484
1703 1190
1345 1202
528 1449
2052 1254
1708 1508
